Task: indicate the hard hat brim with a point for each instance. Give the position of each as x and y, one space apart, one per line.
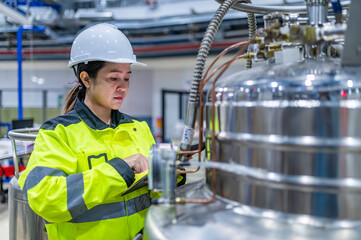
130 61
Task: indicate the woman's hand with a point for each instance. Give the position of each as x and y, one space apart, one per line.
137 162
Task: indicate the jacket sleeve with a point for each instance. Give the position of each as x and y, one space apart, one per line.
181 179
56 192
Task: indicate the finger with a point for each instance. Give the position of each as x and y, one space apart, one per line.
143 166
136 168
139 167
146 164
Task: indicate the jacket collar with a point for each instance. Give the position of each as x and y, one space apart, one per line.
94 122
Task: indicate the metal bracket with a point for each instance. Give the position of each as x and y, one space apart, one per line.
352 52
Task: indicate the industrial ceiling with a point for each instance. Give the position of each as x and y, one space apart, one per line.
155 27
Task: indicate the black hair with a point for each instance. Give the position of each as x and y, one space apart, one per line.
79 91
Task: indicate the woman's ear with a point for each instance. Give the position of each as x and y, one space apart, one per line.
84 77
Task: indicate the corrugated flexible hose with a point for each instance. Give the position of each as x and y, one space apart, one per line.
198 72
252 28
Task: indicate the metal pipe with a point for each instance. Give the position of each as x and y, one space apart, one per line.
28 8
268 9
45 103
163 115
207 40
25 134
332 32
15 159
19 38
13 14
317 12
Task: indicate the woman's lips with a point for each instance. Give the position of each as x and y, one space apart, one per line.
119 98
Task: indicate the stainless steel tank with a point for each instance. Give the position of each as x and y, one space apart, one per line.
24 224
288 149
283 146
296 129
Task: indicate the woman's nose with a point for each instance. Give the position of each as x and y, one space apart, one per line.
121 86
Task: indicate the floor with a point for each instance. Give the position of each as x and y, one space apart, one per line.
4 221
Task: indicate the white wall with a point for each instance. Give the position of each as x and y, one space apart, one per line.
58 79
144 97
139 99
176 73
50 75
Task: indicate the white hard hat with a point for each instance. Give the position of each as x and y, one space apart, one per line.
102 42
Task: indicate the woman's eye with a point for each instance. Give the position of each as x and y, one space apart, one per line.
126 79
114 79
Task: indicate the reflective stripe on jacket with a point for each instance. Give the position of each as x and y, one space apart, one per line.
76 175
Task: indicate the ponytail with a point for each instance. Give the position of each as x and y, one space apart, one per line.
79 91
72 96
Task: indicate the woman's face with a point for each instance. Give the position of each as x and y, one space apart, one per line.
110 87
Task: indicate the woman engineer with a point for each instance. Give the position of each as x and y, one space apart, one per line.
83 160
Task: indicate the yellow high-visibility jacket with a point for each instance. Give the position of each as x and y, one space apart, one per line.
76 175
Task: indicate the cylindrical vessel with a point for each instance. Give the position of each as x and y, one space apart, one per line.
289 136
24 224
298 127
